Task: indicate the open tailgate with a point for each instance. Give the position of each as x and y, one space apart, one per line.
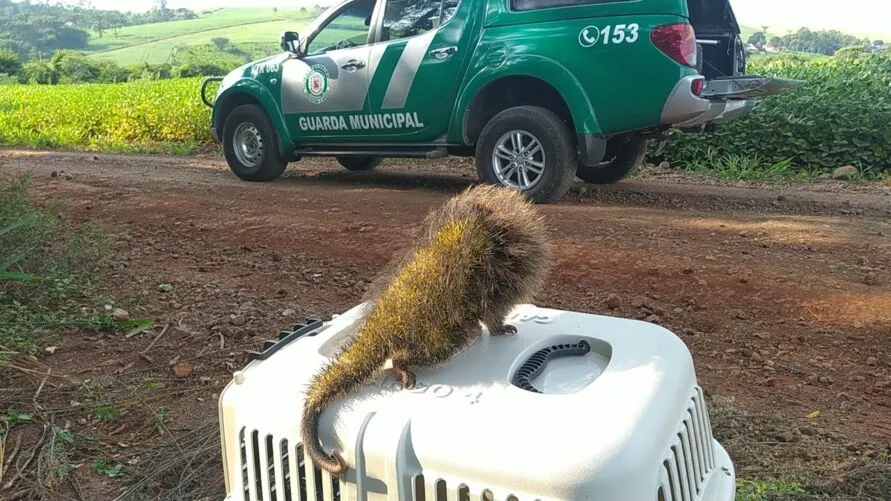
747 87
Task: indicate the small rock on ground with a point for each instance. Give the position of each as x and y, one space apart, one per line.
846 172
182 369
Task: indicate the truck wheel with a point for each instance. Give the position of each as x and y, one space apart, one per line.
529 149
359 163
251 146
623 154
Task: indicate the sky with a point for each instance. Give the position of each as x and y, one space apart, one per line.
859 17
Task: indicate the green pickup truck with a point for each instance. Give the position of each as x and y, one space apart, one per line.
538 91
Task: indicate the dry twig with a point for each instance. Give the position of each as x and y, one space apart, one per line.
152 344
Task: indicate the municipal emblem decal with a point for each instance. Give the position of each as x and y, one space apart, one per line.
316 87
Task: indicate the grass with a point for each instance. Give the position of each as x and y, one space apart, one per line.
777 460
164 116
224 22
747 168
48 286
736 167
769 489
161 51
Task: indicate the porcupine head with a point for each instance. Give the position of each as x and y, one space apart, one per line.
480 254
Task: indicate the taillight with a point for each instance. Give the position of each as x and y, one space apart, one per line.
677 41
697 86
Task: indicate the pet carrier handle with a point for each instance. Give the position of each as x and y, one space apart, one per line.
536 364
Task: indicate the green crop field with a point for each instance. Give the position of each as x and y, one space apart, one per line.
154 43
142 116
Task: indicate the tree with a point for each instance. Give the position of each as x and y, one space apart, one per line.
10 63
758 39
776 42
73 67
820 42
39 72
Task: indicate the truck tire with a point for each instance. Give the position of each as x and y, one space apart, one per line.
540 141
623 154
359 163
251 146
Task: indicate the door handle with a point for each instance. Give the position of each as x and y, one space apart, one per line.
353 65
443 52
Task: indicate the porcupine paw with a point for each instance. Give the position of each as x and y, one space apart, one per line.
408 378
504 330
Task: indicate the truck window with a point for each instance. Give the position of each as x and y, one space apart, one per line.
523 5
348 29
407 18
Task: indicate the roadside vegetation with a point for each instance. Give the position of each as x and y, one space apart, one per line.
48 266
838 118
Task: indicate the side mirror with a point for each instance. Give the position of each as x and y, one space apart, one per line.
290 42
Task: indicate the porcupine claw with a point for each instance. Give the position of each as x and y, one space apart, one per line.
408 378
504 330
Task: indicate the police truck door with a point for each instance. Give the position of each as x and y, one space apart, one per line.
419 61
322 89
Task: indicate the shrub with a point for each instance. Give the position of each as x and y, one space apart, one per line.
220 42
839 117
200 70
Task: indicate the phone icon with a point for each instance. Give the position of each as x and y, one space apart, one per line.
589 36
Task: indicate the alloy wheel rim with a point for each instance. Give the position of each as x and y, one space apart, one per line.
519 160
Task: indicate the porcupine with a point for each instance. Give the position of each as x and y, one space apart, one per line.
483 252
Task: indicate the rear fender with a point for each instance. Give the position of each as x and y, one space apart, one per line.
527 65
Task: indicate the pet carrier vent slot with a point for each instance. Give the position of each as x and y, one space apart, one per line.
441 490
691 457
463 493
419 488
274 470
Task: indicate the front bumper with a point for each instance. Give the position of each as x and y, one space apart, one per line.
685 109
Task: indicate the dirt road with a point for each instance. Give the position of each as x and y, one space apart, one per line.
782 294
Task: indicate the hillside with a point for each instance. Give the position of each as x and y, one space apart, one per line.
153 43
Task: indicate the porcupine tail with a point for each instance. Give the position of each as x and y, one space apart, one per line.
345 373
